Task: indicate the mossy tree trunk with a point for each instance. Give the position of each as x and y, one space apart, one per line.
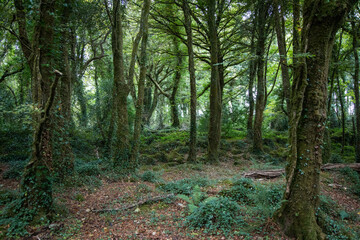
141 85
189 41
121 91
252 76
356 89
321 21
36 184
64 161
280 33
261 15
215 86
175 121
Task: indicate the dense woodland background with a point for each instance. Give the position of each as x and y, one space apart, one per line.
148 119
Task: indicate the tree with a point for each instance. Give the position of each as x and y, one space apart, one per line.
321 21
262 32
141 84
356 88
36 185
188 29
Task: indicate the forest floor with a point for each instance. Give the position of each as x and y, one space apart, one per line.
80 215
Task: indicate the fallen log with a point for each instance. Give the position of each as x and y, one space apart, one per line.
149 200
280 172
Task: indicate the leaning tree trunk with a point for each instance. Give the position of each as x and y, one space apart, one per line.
141 86
192 142
297 214
215 88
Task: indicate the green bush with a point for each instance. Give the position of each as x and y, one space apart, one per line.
15 145
215 214
87 168
15 170
149 176
240 190
7 196
336 158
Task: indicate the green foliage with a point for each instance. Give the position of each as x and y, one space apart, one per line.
194 200
336 158
87 168
330 218
215 214
353 178
15 144
7 196
266 199
15 170
240 191
184 186
150 176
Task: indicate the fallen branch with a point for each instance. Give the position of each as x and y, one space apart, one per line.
149 200
279 172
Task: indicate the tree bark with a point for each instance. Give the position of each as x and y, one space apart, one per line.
280 33
252 75
175 121
141 86
297 215
64 163
215 87
36 185
260 96
121 153
356 90
188 29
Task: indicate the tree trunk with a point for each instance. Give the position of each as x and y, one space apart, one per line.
141 86
260 97
122 146
192 142
175 122
252 75
64 163
297 215
215 87
280 33
342 107
36 185
356 91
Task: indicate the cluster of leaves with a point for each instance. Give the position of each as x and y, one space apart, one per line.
240 190
211 213
150 176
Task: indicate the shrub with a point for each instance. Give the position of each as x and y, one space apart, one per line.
149 176
240 190
7 196
336 158
87 168
215 214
